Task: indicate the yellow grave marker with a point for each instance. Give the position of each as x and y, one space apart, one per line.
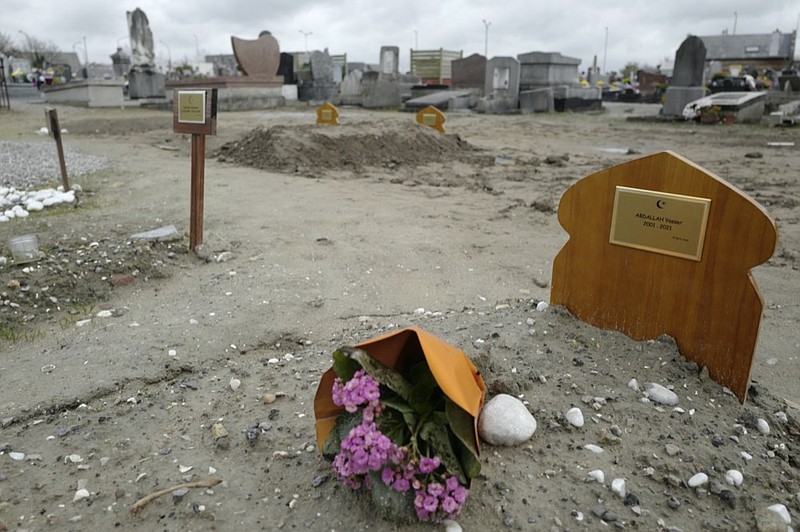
431 117
328 114
658 245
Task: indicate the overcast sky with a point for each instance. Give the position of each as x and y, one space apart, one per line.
639 31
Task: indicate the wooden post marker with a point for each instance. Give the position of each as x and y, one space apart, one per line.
328 114
431 117
659 245
195 111
51 115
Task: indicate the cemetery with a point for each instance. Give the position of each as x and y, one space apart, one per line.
607 290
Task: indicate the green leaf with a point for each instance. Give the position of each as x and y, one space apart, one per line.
393 424
462 424
394 505
387 377
344 424
438 438
344 365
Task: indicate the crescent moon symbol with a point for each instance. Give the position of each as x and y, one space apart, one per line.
660 204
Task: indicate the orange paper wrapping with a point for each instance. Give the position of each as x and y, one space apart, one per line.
455 374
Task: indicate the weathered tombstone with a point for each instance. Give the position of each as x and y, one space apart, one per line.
431 117
687 76
321 86
658 245
469 73
350 93
502 85
327 114
378 92
143 80
390 62
547 69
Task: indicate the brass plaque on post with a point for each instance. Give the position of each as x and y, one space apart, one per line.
195 111
671 224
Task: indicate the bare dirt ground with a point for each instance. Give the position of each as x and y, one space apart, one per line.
117 355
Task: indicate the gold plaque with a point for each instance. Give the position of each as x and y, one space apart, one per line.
660 222
192 107
429 119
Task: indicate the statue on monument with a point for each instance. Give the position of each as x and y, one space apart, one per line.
143 80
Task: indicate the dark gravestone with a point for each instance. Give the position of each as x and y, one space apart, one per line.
690 61
469 73
687 77
286 68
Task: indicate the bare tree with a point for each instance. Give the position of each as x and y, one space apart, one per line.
39 51
6 44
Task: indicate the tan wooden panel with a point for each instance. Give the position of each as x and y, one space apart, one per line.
711 307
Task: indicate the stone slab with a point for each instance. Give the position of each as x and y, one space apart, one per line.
678 97
87 93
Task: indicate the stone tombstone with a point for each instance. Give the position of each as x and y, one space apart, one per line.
350 93
547 69
502 77
141 39
121 63
286 68
390 61
469 72
258 58
687 77
321 67
690 61
143 80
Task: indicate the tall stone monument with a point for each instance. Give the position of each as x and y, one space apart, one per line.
143 80
687 77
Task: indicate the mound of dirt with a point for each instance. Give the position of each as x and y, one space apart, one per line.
306 149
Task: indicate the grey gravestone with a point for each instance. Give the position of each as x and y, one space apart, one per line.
687 77
318 84
378 92
390 59
350 93
469 73
547 69
690 61
502 85
143 80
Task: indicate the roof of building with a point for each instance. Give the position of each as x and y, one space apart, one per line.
775 45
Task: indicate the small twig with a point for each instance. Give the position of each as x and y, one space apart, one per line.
144 501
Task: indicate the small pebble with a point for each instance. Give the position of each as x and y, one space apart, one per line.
235 383
81 494
451 526
541 306
618 486
698 480
633 384
734 477
762 426
593 448
575 417
659 394
268 398
596 475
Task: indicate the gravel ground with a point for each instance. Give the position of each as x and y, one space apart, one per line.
29 165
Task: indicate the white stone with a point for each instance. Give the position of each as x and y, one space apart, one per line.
762 426
618 487
451 526
541 306
782 416
596 475
593 448
781 511
746 455
235 383
81 494
575 417
698 480
16 456
633 384
504 420
104 314
734 477
659 394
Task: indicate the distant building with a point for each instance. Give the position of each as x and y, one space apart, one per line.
737 53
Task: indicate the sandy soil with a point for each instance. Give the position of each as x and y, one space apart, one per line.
322 237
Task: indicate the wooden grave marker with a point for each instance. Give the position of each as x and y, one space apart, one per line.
432 117
51 115
328 114
194 111
658 245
